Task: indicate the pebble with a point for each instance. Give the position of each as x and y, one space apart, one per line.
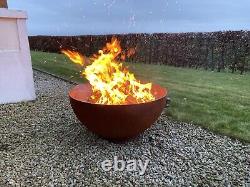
43 144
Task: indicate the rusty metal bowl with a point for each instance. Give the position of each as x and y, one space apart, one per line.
116 122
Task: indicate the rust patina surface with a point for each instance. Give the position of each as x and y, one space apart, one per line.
116 122
3 4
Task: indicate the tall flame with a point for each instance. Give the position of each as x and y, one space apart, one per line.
112 83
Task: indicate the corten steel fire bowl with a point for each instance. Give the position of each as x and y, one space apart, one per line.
116 122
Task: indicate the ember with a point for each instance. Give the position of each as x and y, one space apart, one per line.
110 81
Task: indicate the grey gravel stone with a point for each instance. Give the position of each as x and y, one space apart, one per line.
43 144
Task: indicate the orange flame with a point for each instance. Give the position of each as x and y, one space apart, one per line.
74 56
112 83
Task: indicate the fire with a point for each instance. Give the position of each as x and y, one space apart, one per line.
111 82
74 56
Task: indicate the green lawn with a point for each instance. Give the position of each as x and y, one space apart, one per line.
216 101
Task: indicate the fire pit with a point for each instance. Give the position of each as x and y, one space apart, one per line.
114 104
116 122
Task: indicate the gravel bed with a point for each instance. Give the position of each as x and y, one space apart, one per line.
43 144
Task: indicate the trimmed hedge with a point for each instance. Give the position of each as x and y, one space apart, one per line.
215 51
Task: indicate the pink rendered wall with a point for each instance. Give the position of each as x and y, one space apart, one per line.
16 75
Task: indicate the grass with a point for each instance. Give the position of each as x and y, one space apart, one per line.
217 101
